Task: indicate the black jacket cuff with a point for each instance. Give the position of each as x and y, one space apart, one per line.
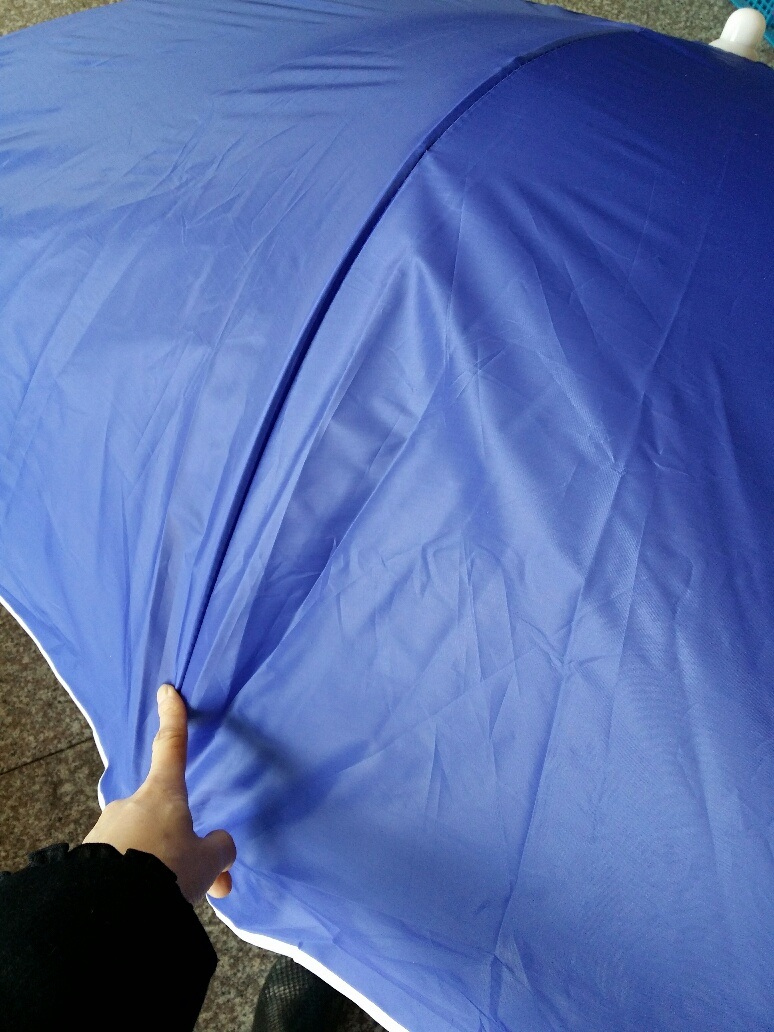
93 938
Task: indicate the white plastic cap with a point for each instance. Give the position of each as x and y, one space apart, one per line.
743 33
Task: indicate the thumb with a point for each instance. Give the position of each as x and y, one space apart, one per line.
170 746
221 853
221 886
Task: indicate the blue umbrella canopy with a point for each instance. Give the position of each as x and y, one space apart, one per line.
395 378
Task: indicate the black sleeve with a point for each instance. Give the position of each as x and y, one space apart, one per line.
93 939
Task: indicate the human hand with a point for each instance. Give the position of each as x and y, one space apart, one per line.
157 819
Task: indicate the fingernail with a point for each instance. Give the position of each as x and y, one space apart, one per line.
166 691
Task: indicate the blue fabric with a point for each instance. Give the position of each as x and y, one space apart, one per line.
396 379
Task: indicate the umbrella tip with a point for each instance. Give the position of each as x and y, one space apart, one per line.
742 34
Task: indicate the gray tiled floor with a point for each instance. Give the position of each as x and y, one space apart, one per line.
49 769
49 766
692 19
48 793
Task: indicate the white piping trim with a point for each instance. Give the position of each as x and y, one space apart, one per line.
66 686
262 941
275 946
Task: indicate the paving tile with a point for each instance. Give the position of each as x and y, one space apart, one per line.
356 1020
700 20
234 987
55 800
37 716
690 19
18 14
49 800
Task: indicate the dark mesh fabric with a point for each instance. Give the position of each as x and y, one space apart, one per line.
294 1000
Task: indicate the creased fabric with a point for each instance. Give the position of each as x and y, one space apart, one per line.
404 397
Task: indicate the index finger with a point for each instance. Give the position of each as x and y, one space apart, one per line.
170 746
